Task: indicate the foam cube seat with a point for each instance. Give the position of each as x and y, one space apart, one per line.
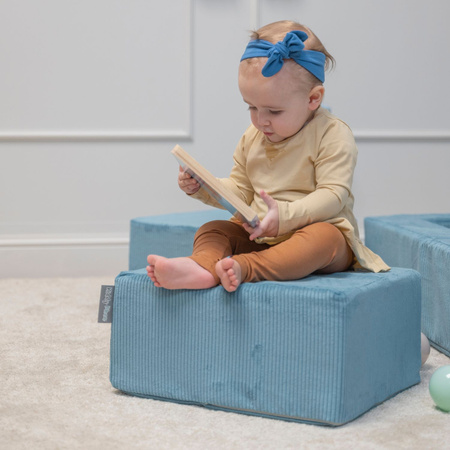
324 349
168 235
420 242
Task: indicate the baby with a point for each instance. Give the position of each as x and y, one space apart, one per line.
294 166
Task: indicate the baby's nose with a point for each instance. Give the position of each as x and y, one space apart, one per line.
263 120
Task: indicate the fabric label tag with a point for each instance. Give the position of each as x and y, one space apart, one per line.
105 310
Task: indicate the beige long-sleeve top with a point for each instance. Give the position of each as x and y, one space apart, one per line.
309 175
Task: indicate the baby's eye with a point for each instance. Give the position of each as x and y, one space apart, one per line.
251 108
275 112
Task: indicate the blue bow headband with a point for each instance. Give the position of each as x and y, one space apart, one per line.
292 47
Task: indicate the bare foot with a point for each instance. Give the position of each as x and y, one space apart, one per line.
151 272
178 273
229 272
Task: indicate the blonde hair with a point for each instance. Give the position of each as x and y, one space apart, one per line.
276 31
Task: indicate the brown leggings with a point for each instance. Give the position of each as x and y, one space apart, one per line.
319 247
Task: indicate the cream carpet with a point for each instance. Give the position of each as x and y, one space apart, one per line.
55 392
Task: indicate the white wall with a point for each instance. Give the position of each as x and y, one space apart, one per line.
94 94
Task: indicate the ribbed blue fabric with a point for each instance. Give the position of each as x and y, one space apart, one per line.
420 242
324 349
167 235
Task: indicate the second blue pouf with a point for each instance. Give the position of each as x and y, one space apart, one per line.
420 242
168 235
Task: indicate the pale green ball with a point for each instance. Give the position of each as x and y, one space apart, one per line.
440 388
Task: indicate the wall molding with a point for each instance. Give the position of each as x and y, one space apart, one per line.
362 135
122 135
255 14
402 135
13 241
75 136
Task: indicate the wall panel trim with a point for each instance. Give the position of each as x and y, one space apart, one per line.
12 242
96 136
121 135
401 135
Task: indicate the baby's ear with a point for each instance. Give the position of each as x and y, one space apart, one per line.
316 97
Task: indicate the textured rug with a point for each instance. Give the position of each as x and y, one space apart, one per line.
55 392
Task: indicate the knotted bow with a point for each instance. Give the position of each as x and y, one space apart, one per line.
291 47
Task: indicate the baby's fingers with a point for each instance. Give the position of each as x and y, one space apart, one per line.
188 184
253 232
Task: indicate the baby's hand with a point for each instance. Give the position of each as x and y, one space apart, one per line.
268 227
187 183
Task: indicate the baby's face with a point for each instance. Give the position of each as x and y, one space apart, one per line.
279 106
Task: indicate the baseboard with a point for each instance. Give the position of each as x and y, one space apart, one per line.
38 256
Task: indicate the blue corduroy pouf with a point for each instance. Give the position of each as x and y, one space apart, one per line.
420 242
324 349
